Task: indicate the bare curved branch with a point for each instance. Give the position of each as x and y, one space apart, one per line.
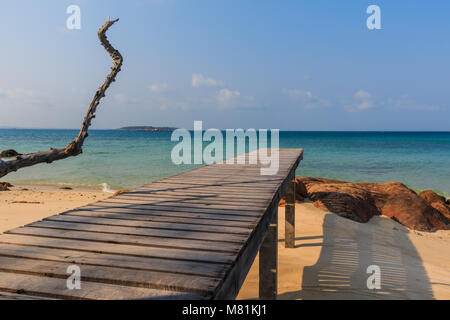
74 148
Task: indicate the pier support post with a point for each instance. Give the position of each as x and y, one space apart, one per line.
268 261
289 229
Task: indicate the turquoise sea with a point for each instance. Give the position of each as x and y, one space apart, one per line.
126 159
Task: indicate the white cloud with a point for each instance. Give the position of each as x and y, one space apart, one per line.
16 93
362 100
226 96
233 99
159 87
199 80
306 98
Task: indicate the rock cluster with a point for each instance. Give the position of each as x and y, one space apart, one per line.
426 211
4 186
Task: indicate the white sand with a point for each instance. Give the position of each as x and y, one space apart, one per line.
19 207
332 255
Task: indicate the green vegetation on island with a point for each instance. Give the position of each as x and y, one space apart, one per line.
149 128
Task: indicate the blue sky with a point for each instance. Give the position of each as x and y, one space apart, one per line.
292 65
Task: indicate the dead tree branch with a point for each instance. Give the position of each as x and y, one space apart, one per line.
74 148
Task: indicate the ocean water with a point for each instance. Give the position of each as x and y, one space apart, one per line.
124 159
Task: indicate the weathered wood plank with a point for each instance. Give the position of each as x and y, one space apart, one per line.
231 202
185 234
112 275
16 296
181 192
152 225
290 215
81 234
196 209
117 260
196 219
205 204
57 288
224 185
166 213
268 261
161 252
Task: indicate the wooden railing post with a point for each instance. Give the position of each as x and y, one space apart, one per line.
289 229
268 261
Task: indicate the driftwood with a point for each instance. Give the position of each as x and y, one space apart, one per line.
74 148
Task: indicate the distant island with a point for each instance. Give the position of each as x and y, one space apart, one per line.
149 129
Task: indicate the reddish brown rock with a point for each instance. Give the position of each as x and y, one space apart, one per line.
414 212
300 194
345 199
300 190
437 202
4 186
362 201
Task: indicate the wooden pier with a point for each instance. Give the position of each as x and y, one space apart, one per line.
194 235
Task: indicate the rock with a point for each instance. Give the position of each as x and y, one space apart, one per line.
300 194
4 186
361 201
437 202
120 192
300 190
9 153
345 199
414 212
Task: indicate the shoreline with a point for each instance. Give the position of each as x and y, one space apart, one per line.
106 188
24 204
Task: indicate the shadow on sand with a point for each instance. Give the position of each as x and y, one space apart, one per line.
348 248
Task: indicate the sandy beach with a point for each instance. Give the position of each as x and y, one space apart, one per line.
25 204
332 254
330 258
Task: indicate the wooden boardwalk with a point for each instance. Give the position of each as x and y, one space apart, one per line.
194 235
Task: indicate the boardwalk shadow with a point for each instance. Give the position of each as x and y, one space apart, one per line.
349 248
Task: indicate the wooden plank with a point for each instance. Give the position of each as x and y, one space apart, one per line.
194 219
268 261
224 185
57 288
112 275
181 192
201 189
229 183
188 232
72 233
290 215
165 213
16 296
232 202
118 260
151 225
185 204
161 252
106 204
